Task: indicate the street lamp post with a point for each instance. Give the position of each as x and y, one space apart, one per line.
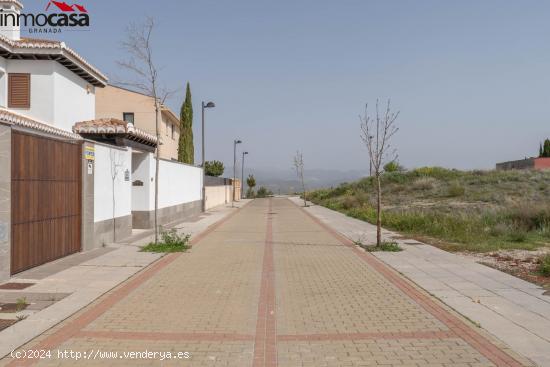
235 142
204 106
242 176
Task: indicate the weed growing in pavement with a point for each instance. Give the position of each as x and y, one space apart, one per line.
21 303
171 241
385 247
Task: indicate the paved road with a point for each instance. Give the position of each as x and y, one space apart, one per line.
271 286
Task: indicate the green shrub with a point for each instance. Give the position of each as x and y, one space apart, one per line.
365 184
545 232
395 178
263 192
348 202
341 189
456 190
491 210
436 172
499 230
544 265
424 183
393 166
518 235
171 241
529 217
213 168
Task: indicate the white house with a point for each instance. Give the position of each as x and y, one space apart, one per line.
45 80
45 87
70 181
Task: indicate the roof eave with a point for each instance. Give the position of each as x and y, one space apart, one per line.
11 118
59 54
114 127
170 114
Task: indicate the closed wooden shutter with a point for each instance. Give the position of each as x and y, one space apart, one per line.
19 90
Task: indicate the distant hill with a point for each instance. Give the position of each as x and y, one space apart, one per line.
285 181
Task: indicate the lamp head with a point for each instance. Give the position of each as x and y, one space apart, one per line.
238 141
210 105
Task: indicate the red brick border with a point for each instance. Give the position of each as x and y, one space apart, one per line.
369 336
265 343
466 333
74 328
265 339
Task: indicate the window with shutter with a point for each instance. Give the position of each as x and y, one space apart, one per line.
19 90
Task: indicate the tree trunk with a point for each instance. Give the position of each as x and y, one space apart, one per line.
114 211
378 212
112 156
304 190
157 172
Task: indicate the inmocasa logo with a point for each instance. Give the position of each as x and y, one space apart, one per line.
59 15
63 6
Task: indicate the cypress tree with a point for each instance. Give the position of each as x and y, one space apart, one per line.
186 149
546 149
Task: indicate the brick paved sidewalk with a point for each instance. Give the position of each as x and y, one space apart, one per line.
271 286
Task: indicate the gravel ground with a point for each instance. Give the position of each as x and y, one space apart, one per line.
520 263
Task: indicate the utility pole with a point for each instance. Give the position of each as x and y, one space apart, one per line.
204 106
242 176
235 142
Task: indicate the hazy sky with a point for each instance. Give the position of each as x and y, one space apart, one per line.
471 78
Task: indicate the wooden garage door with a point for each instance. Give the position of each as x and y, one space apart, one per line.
46 200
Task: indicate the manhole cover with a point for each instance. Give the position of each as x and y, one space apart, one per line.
15 285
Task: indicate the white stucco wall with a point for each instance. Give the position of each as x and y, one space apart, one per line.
42 88
109 161
74 98
3 83
178 183
58 96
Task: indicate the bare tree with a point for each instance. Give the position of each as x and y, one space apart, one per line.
140 62
299 167
376 133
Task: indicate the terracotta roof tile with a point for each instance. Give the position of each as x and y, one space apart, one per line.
26 44
37 40
23 121
112 126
